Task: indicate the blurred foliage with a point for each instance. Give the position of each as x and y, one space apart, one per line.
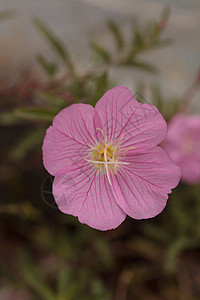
168 106
4 15
50 255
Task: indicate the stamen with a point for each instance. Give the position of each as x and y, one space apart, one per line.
130 148
102 133
106 164
115 168
113 157
107 154
98 152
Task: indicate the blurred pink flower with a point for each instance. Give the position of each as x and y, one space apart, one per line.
106 161
183 145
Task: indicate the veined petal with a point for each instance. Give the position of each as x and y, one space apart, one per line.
80 122
59 150
73 132
141 188
80 190
83 143
140 125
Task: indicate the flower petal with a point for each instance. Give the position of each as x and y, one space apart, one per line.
80 122
183 145
190 169
140 125
173 143
81 191
59 150
141 189
74 130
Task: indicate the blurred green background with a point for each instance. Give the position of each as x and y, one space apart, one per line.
44 254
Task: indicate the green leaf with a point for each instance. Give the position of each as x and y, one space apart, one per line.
114 28
6 14
102 53
165 13
101 84
53 99
98 290
50 68
27 143
8 119
141 65
174 250
157 233
63 283
34 279
137 43
157 97
36 113
104 252
53 40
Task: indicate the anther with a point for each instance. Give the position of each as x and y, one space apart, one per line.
102 133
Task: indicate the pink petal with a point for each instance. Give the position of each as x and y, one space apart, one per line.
140 125
79 121
73 132
175 134
141 189
81 191
183 145
59 150
190 169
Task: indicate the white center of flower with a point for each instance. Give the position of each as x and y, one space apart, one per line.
106 156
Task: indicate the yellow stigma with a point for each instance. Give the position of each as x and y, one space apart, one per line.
103 152
106 156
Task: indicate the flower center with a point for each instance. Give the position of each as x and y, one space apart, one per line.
106 156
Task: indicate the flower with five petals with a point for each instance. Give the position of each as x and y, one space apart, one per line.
106 160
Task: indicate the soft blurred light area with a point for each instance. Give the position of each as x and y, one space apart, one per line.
75 21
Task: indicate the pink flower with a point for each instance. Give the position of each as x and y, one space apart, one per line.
183 145
106 161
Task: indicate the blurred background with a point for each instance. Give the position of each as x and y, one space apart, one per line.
55 53
76 22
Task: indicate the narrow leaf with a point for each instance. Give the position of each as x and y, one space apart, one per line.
174 250
63 283
53 40
137 43
165 13
53 99
8 119
102 53
27 143
101 83
50 68
36 113
141 65
114 28
6 14
37 283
